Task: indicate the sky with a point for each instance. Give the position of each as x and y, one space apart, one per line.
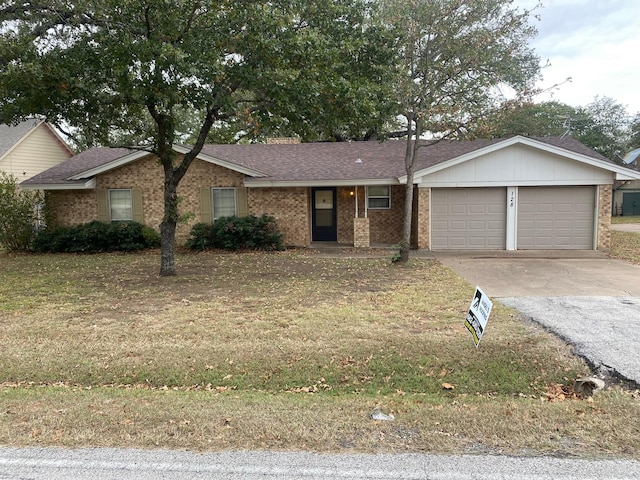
596 43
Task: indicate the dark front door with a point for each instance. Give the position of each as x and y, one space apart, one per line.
323 215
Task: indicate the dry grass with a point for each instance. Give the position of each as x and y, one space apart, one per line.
626 246
629 219
286 351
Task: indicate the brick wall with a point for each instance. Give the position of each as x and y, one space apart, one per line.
604 217
71 207
361 233
386 225
147 175
422 215
80 206
347 212
289 206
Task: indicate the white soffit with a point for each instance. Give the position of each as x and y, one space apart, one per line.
88 185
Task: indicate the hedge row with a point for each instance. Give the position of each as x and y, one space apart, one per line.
95 237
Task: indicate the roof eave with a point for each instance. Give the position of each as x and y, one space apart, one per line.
110 165
87 185
222 163
262 183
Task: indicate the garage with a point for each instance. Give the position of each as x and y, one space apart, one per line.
556 218
468 218
631 203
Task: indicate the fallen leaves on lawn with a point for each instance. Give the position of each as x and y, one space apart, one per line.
556 392
316 387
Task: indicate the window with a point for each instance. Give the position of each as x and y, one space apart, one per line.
379 197
224 202
120 205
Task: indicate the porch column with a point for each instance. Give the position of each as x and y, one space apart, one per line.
423 220
361 237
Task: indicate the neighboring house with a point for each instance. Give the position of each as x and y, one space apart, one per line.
626 194
516 193
29 148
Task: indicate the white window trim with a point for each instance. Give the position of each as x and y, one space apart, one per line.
369 207
130 206
213 203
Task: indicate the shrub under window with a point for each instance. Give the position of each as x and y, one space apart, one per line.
237 233
95 237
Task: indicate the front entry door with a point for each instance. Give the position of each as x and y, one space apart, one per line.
323 206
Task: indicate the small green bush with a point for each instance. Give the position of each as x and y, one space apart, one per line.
201 236
95 237
237 233
18 215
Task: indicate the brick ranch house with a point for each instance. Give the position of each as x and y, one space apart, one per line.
503 194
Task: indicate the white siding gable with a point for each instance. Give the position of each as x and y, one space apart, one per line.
515 165
38 151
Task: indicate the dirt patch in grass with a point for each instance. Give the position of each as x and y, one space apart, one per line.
285 350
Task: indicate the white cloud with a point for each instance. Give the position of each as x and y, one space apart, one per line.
596 43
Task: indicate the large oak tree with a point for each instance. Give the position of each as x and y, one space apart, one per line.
155 72
455 57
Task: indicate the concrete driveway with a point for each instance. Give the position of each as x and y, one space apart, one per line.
587 298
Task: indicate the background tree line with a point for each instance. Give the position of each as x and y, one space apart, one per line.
603 125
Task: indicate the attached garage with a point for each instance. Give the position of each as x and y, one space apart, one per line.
551 218
468 218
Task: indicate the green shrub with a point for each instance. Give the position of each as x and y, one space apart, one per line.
236 233
95 237
18 215
201 236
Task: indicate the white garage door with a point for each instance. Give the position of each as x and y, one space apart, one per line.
556 217
468 218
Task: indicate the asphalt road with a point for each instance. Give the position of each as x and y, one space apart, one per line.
115 464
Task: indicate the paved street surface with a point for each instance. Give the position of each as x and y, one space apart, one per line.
112 464
585 297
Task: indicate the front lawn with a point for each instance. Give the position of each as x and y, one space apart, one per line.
621 219
286 351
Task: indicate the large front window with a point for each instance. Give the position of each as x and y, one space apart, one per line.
224 202
120 205
379 197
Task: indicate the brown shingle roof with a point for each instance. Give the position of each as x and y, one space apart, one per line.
11 134
336 161
308 162
92 158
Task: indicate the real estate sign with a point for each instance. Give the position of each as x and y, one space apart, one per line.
478 315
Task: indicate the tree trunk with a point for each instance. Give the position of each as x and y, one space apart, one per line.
405 245
167 249
168 227
409 161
